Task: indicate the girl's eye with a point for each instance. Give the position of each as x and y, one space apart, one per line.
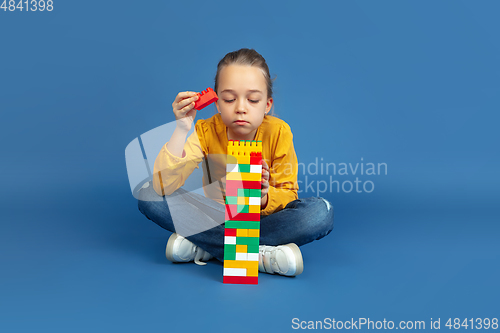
254 101
229 100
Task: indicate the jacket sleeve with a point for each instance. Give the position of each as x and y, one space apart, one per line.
283 185
170 172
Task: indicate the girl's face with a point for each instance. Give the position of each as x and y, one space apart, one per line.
243 101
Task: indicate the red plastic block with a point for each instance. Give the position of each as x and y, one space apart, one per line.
253 184
231 191
255 160
205 98
233 184
247 217
231 210
242 216
241 279
229 232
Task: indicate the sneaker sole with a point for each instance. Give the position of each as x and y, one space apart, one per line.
300 262
170 247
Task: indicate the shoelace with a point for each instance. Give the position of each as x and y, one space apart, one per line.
198 256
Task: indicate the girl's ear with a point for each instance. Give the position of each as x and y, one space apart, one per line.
217 105
269 104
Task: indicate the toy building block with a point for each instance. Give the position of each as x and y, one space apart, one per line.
230 232
247 184
243 256
241 279
252 256
242 218
255 158
241 248
254 209
243 224
254 201
206 97
241 232
244 176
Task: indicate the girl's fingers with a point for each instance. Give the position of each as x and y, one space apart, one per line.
186 101
264 179
184 94
186 109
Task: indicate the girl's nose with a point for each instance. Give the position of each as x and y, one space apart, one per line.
240 106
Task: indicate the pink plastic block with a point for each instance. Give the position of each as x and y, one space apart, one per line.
205 98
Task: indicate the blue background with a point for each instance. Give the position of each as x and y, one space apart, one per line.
413 84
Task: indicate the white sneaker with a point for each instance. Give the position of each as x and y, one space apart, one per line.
179 249
282 259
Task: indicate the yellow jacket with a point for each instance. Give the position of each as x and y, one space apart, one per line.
208 143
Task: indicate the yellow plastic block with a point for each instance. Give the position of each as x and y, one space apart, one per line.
243 201
237 149
243 159
254 209
231 159
241 264
234 176
253 232
241 232
253 271
250 176
241 248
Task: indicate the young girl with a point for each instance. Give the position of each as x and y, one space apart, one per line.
244 88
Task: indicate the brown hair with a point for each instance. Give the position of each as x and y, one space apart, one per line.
248 57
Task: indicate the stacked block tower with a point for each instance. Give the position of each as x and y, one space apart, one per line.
242 226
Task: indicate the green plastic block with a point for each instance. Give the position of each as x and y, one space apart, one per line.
231 200
253 192
230 248
253 248
243 192
229 252
244 167
242 209
242 224
247 241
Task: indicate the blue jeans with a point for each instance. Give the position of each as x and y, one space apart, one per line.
200 219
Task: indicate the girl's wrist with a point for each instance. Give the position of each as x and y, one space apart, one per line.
181 130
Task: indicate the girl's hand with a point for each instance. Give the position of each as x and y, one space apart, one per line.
264 182
184 110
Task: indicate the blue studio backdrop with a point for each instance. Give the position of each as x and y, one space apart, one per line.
410 87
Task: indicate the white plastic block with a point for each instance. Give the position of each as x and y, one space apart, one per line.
254 201
252 256
230 240
255 168
235 272
241 256
231 167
